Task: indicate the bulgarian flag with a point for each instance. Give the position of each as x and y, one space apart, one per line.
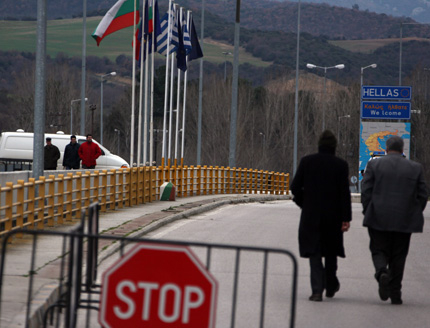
118 17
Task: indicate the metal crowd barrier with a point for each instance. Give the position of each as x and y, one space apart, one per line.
74 300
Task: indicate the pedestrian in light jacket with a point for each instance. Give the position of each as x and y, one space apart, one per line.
321 189
394 196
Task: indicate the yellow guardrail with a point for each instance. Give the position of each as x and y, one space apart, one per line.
51 201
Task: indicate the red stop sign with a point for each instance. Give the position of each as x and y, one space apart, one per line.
156 285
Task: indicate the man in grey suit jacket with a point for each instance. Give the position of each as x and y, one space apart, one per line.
394 195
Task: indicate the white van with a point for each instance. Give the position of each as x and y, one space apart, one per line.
18 147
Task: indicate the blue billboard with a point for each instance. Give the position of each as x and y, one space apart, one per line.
386 110
386 92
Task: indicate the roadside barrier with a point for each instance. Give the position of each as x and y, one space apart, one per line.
54 200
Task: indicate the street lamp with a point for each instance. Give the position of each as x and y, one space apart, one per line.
338 126
362 69
264 146
312 66
225 53
427 70
118 131
101 103
71 113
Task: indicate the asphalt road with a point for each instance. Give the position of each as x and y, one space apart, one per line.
275 224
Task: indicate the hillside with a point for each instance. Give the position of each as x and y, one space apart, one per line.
316 19
416 9
271 49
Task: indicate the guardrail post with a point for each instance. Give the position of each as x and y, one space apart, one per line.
20 206
31 201
96 187
41 204
121 187
8 205
60 199
51 196
205 180
87 200
79 191
197 178
69 196
153 183
128 183
112 190
103 197
210 180
228 180
275 183
146 185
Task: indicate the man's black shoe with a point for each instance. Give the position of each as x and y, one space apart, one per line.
330 292
315 298
396 301
384 291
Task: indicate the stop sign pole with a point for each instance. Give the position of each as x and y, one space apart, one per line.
158 285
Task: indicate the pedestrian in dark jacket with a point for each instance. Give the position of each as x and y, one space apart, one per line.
89 151
394 196
321 189
71 159
51 155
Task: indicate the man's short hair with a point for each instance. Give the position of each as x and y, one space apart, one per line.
89 135
73 136
48 139
395 143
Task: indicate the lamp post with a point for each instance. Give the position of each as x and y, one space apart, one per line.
359 129
101 103
71 113
118 131
225 53
311 66
296 98
338 126
361 76
427 70
264 146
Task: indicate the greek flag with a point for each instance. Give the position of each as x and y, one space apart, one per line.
162 37
186 37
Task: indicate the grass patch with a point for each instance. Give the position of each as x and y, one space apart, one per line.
65 35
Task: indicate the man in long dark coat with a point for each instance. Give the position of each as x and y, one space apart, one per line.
394 196
321 189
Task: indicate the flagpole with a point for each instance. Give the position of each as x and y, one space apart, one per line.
166 85
151 117
185 95
178 102
133 87
142 49
171 103
145 124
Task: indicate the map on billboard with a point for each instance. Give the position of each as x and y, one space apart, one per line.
373 137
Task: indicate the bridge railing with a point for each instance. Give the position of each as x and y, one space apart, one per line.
56 199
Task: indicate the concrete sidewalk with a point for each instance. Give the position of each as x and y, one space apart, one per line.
131 222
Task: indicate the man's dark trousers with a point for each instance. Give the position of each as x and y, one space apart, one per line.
323 276
389 251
